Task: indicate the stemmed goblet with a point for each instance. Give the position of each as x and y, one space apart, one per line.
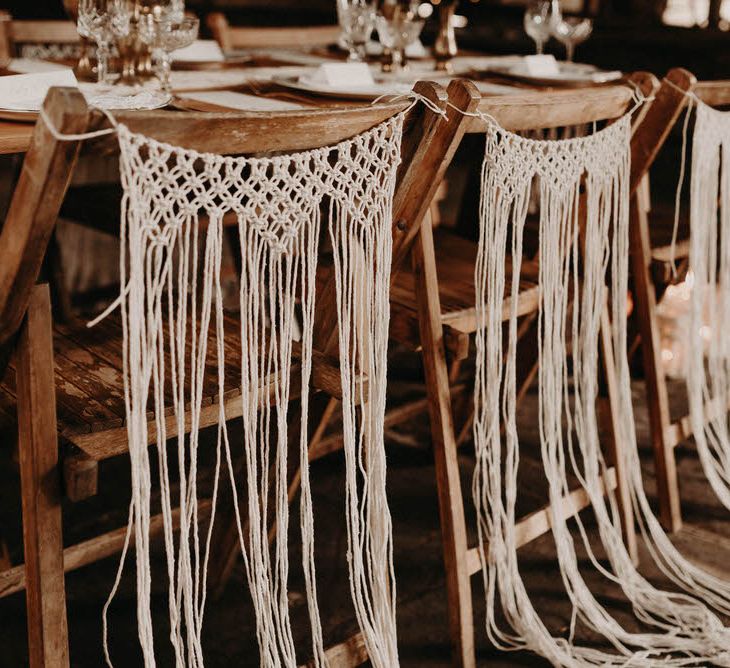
540 18
164 35
396 32
102 21
571 31
357 20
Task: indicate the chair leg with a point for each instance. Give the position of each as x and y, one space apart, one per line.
451 502
670 512
623 495
40 484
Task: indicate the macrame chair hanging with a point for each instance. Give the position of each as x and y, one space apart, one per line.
172 314
575 262
708 360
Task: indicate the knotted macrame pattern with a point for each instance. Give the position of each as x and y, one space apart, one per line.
174 207
583 195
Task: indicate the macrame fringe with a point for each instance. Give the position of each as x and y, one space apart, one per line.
172 304
708 383
681 629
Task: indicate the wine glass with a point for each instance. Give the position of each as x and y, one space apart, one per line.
357 20
165 36
103 21
95 22
571 31
540 17
397 32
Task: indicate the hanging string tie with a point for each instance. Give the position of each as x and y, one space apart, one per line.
415 99
487 118
82 136
692 102
638 96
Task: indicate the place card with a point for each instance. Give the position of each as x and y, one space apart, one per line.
542 65
200 51
226 99
26 92
341 75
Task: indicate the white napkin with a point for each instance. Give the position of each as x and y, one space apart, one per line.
26 92
32 66
413 50
341 75
542 65
242 101
201 51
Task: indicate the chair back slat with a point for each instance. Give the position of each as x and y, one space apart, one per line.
49 32
429 142
669 100
427 154
552 109
36 202
5 40
230 38
714 93
248 133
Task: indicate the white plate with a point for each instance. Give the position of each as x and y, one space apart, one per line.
125 98
355 92
571 74
114 99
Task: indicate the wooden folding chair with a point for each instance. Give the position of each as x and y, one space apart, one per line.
433 308
653 273
231 38
65 380
55 39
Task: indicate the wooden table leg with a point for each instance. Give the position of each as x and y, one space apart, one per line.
41 490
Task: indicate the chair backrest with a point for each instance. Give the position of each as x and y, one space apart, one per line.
36 201
231 38
49 164
714 93
43 38
669 100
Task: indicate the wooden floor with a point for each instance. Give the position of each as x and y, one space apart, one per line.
422 615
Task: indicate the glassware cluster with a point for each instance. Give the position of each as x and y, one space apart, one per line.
137 30
543 20
397 22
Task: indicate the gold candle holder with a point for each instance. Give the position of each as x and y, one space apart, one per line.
444 47
134 63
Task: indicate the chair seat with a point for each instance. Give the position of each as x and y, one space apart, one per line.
455 259
90 385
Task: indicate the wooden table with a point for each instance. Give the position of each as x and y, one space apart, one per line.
15 136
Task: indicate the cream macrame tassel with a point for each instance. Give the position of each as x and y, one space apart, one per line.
173 305
708 384
573 294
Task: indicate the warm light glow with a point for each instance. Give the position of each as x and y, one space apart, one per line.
706 332
689 13
667 355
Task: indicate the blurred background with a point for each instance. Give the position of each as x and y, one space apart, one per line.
628 34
